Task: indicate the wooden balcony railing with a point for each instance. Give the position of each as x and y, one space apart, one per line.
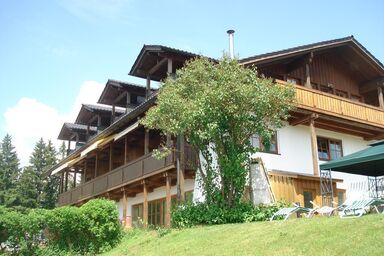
333 105
139 168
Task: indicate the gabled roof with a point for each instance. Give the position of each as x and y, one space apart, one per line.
304 49
87 111
68 129
114 88
152 55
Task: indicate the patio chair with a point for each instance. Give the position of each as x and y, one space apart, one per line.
287 212
324 210
360 207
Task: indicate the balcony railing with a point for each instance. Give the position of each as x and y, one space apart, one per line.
134 170
333 105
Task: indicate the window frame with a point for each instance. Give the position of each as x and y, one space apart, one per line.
329 142
261 146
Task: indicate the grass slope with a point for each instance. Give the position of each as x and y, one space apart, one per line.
318 236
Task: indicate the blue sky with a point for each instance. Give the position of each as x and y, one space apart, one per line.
55 54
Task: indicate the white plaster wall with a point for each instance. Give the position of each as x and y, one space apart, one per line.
294 145
156 194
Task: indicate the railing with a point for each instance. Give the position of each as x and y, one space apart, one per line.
337 106
136 169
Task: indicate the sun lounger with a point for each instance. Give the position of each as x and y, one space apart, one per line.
287 212
360 207
323 211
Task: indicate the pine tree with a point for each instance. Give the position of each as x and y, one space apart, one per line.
62 151
9 171
27 189
49 192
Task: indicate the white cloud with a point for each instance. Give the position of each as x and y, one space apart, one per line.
29 120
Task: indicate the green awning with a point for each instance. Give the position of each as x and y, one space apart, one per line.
369 162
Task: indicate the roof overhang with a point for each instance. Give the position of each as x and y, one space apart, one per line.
152 61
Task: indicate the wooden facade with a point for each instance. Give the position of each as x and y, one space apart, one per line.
293 187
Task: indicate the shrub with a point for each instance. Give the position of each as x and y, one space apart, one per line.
204 214
94 227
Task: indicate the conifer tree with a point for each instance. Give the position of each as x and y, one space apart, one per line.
49 192
9 171
27 189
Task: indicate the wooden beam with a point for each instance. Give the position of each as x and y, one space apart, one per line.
314 148
66 181
110 157
96 163
146 142
126 149
74 178
170 67
120 97
157 66
145 204
85 170
125 206
304 119
381 97
180 168
148 87
167 200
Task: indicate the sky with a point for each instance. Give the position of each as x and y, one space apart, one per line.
57 54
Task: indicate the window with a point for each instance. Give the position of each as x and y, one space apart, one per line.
308 197
156 212
137 215
340 198
329 149
341 93
257 142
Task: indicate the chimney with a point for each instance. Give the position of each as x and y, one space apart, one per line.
231 48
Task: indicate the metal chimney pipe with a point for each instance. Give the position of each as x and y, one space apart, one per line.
231 47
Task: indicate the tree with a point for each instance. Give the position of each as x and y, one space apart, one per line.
62 151
27 191
9 171
218 107
49 193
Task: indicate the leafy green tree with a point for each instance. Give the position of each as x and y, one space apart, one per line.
9 171
218 107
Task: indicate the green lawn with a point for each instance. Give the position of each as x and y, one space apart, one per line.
318 236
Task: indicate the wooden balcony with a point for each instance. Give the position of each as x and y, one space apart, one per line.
332 105
133 171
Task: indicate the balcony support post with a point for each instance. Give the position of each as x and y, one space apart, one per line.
110 157
314 147
66 180
145 204
125 206
167 200
381 97
146 142
307 71
180 167
148 88
125 149
74 177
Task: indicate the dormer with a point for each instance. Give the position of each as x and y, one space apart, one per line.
77 133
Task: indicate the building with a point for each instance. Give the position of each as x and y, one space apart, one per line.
340 110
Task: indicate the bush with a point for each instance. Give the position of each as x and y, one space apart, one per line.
189 215
21 233
94 227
